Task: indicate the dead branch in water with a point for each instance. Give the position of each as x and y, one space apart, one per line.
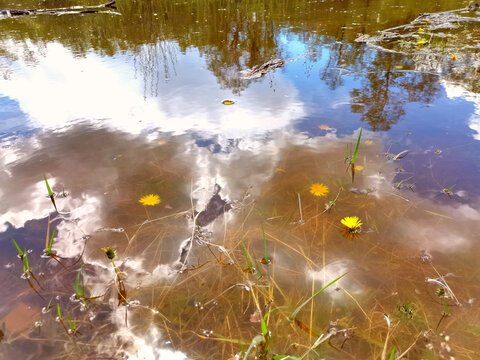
9 13
259 71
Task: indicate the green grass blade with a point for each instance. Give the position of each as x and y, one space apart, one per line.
48 251
445 309
79 287
264 324
50 192
58 312
354 157
297 310
265 244
20 252
392 354
71 324
26 260
246 256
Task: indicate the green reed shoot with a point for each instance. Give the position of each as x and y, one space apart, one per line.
392 354
71 324
25 261
246 256
448 191
49 304
50 193
265 244
297 310
48 249
446 311
79 285
20 252
263 325
354 157
59 313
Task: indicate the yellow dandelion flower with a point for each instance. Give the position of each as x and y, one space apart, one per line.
351 227
319 189
351 222
150 200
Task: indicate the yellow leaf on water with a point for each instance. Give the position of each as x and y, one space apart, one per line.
323 127
399 67
228 102
454 57
421 42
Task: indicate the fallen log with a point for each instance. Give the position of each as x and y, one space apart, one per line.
259 71
11 13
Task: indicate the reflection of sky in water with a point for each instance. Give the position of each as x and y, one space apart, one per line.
61 89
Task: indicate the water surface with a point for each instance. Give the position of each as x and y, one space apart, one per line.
126 102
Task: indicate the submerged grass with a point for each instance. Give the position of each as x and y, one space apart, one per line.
251 312
79 286
48 248
354 157
266 259
294 314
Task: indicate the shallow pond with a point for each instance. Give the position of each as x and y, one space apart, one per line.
243 249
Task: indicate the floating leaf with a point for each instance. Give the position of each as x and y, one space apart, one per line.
228 102
421 42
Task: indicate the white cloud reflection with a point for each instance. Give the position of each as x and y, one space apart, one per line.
61 89
458 91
